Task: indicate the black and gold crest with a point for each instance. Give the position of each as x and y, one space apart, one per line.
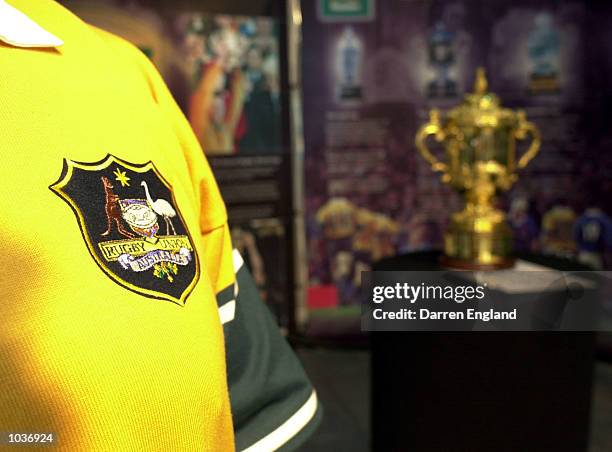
132 226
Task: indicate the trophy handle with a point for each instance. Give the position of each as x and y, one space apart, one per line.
526 127
431 128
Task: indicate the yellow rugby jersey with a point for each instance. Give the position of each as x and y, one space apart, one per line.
125 324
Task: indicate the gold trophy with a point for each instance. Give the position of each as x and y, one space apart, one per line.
479 137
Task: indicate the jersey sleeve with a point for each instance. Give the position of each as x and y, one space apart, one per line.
274 406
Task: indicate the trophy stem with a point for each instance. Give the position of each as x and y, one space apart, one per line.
478 237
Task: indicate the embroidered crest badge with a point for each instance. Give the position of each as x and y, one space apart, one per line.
132 227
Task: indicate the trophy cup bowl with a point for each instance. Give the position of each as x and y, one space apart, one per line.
479 138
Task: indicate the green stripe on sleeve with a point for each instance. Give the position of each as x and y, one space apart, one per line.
273 402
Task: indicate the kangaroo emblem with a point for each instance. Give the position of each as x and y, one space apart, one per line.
113 211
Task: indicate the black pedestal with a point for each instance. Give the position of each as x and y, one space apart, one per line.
480 391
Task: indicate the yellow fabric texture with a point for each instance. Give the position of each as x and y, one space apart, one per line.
102 367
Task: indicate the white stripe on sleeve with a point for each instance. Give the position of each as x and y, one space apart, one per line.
287 429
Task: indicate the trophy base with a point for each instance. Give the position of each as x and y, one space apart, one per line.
544 84
350 93
478 241
458 264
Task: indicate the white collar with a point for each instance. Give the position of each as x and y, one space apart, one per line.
19 30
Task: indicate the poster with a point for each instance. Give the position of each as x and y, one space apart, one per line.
369 194
234 106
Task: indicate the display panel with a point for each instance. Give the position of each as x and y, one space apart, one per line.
370 195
